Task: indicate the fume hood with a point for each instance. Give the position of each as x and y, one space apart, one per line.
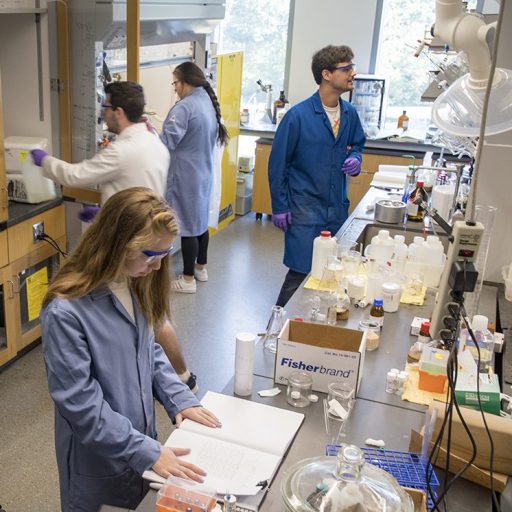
99 26
161 21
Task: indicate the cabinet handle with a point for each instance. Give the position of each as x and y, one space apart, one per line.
11 294
4 203
18 282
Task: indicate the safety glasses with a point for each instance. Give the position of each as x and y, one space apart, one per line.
152 256
346 68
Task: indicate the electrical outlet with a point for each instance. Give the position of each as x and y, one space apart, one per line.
37 230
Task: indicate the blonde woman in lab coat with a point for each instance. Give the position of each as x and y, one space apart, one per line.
104 368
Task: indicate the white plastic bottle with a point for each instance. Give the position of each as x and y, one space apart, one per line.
433 260
323 247
400 253
485 341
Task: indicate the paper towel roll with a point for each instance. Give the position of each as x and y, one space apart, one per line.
244 363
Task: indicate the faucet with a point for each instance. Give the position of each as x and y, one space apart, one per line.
459 167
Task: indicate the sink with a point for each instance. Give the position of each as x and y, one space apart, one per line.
363 231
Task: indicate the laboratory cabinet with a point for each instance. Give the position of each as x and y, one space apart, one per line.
25 270
357 185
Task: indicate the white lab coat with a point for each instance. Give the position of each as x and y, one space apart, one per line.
137 158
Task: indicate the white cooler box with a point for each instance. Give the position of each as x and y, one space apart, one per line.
18 148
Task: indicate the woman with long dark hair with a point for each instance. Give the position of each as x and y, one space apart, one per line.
191 131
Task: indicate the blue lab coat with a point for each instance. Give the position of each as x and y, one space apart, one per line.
305 174
103 372
189 132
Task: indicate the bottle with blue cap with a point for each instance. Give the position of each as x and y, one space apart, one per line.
377 312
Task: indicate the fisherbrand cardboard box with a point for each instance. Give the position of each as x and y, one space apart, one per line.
328 353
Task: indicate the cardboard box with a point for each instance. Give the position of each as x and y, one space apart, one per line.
328 353
419 499
501 431
473 473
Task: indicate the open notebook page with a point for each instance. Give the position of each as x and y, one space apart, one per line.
230 468
262 427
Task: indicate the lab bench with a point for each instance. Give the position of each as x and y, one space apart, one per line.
26 265
376 152
376 414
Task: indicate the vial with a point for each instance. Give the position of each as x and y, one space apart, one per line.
391 382
299 389
229 503
401 380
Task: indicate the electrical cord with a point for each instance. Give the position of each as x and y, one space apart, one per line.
489 435
48 239
452 368
452 373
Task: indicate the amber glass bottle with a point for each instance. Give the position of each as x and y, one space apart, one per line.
403 121
416 203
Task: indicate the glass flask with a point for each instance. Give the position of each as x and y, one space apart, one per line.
275 324
341 484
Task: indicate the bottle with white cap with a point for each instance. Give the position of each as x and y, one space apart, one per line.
484 340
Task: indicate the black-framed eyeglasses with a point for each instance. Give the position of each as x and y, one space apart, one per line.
346 68
152 256
103 105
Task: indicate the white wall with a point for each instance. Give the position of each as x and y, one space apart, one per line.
495 175
18 63
319 23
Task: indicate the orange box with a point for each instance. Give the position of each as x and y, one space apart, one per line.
177 495
430 382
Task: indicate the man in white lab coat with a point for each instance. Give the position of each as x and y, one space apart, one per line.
136 158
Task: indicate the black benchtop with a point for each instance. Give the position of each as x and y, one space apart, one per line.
18 212
266 132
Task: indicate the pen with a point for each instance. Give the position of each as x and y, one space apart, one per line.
388 189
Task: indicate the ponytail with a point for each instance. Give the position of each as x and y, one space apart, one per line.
222 134
191 73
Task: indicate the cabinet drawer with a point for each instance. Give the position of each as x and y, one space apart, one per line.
4 254
20 236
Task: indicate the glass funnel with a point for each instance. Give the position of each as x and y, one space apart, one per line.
342 484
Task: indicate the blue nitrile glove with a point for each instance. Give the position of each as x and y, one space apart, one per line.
38 155
87 213
281 220
351 166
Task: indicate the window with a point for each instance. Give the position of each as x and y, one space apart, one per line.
403 23
259 28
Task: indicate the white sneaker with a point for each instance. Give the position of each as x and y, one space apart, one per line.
201 275
181 285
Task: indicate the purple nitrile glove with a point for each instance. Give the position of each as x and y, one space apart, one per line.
281 220
38 155
87 213
351 166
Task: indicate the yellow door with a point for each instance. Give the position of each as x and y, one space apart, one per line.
229 93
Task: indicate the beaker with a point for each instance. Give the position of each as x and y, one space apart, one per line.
485 215
299 389
274 326
345 245
350 261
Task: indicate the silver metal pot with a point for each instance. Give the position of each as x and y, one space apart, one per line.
389 211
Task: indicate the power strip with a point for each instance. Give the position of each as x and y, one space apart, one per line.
465 242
